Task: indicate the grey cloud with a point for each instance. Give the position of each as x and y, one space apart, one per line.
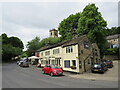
27 20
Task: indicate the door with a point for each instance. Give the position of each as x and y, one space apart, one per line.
84 66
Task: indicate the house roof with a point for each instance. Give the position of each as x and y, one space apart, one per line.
113 37
64 44
53 30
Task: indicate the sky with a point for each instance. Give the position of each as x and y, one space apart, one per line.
27 20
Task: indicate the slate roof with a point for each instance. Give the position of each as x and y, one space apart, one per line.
64 44
113 37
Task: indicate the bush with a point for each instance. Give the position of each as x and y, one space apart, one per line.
73 67
111 51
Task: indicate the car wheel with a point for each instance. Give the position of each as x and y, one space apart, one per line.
51 74
92 71
103 72
43 72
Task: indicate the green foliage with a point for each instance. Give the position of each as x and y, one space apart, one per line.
112 31
73 67
8 51
4 38
24 54
111 51
33 45
68 26
92 24
90 20
11 47
16 42
36 44
49 41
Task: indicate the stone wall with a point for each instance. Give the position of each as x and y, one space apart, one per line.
113 57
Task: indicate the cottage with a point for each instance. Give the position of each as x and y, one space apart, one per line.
74 55
113 41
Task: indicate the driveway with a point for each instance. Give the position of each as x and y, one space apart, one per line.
110 75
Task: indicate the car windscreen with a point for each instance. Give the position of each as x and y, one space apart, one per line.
55 67
97 66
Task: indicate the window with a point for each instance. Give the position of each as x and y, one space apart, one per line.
115 40
69 49
86 44
88 61
56 34
74 62
80 64
67 63
43 62
115 46
81 51
47 53
56 51
42 54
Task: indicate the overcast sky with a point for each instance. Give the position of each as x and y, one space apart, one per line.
26 20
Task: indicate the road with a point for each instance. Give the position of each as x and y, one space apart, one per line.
14 76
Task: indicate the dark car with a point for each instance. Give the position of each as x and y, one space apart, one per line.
99 67
109 63
52 70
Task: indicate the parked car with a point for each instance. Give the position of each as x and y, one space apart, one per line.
24 62
52 70
109 63
99 67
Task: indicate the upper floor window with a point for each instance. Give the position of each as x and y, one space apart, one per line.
47 53
115 40
56 51
69 49
86 44
42 54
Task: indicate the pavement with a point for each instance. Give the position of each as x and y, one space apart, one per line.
14 76
110 75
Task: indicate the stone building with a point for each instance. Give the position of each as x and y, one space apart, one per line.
96 53
74 55
53 33
113 41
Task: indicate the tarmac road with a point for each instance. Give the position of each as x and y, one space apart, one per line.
14 76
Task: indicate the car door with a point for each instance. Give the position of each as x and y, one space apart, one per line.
45 69
49 69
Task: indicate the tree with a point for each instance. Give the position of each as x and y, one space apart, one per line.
36 44
16 42
90 20
11 47
33 45
68 26
4 38
49 41
92 23
112 31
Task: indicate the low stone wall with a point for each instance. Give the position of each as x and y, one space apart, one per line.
113 57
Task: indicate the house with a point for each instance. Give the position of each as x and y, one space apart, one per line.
113 41
74 55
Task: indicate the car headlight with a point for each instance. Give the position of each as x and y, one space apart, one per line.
55 71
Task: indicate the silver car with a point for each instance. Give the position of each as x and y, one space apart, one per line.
24 62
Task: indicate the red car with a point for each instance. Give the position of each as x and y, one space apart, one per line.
52 70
